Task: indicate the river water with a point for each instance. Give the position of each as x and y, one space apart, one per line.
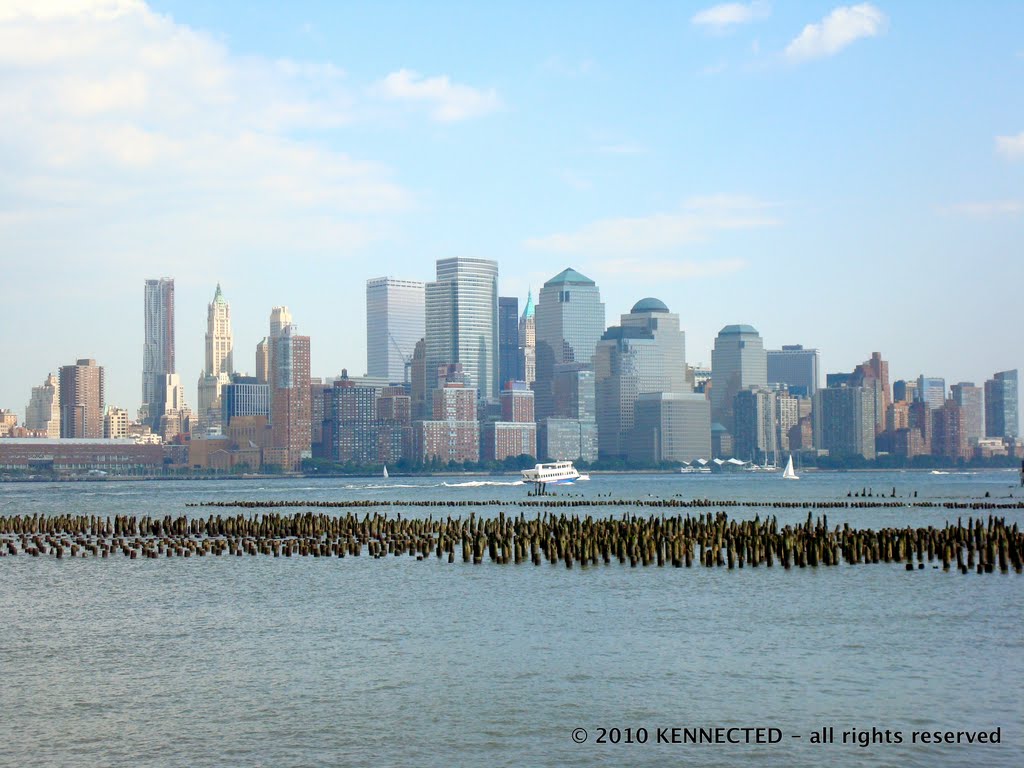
359 662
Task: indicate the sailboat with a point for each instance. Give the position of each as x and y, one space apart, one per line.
788 473
385 471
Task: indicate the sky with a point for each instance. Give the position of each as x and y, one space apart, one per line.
846 177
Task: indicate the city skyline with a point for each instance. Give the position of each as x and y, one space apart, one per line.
743 169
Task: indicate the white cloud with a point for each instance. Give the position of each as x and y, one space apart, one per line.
124 132
987 208
696 220
841 27
1011 146
448 101
721 17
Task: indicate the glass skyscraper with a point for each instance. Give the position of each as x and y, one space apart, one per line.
508 341
569 322
462 322
1002 418
738 361
158 347
394 323
795 367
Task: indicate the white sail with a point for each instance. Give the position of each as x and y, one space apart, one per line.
788 473
385 471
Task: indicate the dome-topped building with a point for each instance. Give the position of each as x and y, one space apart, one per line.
649 304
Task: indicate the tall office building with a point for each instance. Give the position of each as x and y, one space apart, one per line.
528 342
508 341
794 367
844 421
569 324
81 399
280 318
905 391
290 395
972 406
671 426
219 340
755 438
244 396
571 434
394 323
738 362
158 348
462 322
874 374
1001 405
644 354
43 411
931 390
219 361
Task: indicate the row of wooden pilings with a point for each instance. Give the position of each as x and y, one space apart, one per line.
707 540
556 503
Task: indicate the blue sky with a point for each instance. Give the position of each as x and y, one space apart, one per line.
849 177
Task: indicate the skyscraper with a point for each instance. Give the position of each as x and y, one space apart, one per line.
569 324
794 367
81 399
219 361
290 395
642 355
462 322
158 348
844 421
528 341
1001 405
931 390
755 438
43 411
394 323
508 341
219 340
738 361
972 406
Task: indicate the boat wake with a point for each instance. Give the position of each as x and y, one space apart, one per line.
481 483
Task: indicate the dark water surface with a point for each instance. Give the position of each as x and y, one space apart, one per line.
302 661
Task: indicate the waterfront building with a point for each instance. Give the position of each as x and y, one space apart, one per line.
969 397
671 426
394 323
787 416
43 411
115 423
453 433
515 433
1001 405
569 319
738 362
351 422
462 322
244 396
874 374
645 354
931 390
795 368
158 347
82 403
81 455
508 340
290 406
844 421
755 437
949 438
8 422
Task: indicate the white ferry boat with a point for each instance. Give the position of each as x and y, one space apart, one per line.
555 473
